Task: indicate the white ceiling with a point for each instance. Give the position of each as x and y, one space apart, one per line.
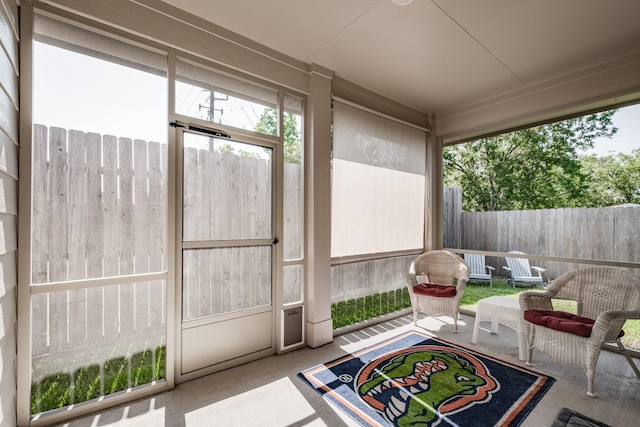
436 55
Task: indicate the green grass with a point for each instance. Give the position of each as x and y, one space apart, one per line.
92 381
87 383
357 310
475 291
56 392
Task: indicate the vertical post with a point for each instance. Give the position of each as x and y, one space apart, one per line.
433 193
23 364
319 325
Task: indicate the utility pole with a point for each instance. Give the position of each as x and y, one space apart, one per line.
211 111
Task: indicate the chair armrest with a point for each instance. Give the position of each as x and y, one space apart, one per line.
540 270
506 268
488 267
606 318
534 300
461 284
411 279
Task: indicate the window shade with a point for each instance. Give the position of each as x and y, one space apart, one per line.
378 183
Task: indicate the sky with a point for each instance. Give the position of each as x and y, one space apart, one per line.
627 120
135 103
97 96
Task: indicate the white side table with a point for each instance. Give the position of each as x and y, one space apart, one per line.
504 311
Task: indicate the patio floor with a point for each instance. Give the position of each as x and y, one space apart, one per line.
269 393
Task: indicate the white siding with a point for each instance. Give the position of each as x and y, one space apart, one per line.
8 207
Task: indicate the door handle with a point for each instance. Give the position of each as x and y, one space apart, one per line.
275 241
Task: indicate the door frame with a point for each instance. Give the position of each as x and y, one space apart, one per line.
206 129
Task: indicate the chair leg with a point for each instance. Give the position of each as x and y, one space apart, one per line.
529 337
415 317
590 381
455 322
628 357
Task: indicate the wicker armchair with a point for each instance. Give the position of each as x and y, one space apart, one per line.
436 282
606 297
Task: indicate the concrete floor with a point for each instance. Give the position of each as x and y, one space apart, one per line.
269 393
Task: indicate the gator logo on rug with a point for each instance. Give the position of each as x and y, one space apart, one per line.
417 386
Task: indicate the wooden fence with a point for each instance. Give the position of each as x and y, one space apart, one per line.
609 233
100 210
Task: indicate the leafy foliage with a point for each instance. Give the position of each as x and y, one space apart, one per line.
268 124
534 168
615 178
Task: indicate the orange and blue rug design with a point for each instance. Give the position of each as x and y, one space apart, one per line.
417 380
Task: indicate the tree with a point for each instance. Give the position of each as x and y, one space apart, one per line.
615 179
268 124
533 168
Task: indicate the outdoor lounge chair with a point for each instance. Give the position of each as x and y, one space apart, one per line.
606 297
436 282
478 270
520 271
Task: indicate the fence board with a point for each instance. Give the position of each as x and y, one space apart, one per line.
292 211
57 212
95 242
126 214
203 223
141 232
234 201
225 281
193 178
94 205
77 208
156 236
58 237
110 232
216 180
217 277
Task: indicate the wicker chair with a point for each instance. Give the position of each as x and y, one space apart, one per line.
436 282
606 297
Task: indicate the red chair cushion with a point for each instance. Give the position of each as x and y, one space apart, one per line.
433 290
562 321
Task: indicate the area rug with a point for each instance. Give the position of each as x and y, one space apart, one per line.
417 380
570 418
